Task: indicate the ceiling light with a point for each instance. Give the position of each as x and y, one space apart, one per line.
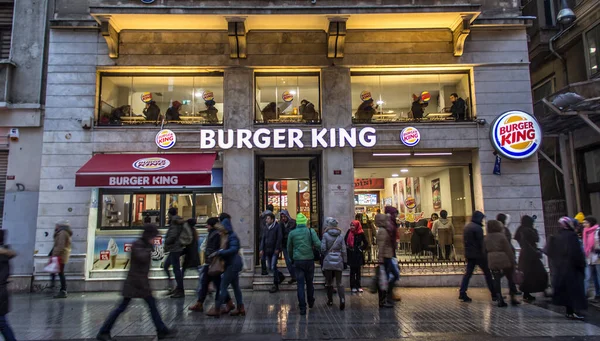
404 170
594 67
433 154
293 92
391 154
380 102
592 50
395 175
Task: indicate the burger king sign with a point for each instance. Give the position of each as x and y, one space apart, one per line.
165 139
410 136
516 135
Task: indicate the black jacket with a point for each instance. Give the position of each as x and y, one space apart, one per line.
535 277
473 237
213 244
152 112
568 270
5 255
286 228
192 254
136 284
356 256
459 109
271 239
172 114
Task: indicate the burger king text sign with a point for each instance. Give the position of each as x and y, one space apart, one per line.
516 135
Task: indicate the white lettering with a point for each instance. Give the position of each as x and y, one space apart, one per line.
207 139
230 139
112 181
349 138
243 138
278 138
332 138
317 138
369 140
264 142
146 180
295 138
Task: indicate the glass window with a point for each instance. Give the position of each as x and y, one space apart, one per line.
208 205
592 166
287 99
146 209
126 100
593 44
183 203
115 210
410 97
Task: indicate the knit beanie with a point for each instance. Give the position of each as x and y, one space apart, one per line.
331 222
580 217
301 219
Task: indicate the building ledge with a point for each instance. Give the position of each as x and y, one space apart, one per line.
85 24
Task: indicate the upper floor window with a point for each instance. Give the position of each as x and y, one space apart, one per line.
290 98
6 21
144 99
410 97
593 50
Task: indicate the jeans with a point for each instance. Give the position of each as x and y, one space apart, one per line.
61 276
205 280
288 263
230 276
471 263
174 260
498 274
355 277
6 330
166 266
112 318
272 262
591 272
263 264
393 273
305 274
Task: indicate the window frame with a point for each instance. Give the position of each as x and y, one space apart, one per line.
103 74
287 74
467 73
586 47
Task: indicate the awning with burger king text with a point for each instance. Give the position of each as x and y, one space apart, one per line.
146 170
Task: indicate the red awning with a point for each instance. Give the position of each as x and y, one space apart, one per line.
146 170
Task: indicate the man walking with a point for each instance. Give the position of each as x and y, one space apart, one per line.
301 242
175 248
287 224
62 250
476 255
270 245
263 227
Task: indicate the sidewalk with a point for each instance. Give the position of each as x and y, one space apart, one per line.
424 314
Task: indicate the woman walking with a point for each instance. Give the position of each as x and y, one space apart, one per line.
501 259
386 243
62 250
356 243
334 253
535 277
568 263
590 247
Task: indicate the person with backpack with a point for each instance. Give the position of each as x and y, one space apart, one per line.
175 248
335 260
189 240
270 246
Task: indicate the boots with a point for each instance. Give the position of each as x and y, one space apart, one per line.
329 296
229 306
513 301
500 300
342 297
383 302
240 311
197 307
217 312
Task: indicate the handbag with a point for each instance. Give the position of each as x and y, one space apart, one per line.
316 252
518 277
53 267
216 267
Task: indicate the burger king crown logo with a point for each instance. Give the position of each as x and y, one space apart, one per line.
516 135
165 139
151 164
208 95
287 96
365 95
410 136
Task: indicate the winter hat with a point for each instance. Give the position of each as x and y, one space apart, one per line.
301 219
63 223
567 222
580 217
150 231
331 222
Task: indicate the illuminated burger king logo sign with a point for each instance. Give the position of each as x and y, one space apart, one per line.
410 136
516 135
151 164
165 139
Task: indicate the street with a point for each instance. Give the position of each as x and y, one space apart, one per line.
424 314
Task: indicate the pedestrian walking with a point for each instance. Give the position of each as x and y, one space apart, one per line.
62 250
175 249
591 248
191 256
270 246
6 254
501 259
215 241
475 255
137 285
568 262
233 266
385 243
505 220
287 224
333 249
301 243
535 277
356 243
263 228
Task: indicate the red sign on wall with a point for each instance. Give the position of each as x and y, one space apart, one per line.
369 183
127 247
104 255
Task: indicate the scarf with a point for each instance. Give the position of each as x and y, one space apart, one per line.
588 239
353 233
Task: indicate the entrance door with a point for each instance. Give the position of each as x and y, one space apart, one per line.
314 175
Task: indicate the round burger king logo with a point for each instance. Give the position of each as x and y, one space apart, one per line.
516 135
146 97
410 203
287 96
151 164
365 95
410 136
165 139
425 96
208 95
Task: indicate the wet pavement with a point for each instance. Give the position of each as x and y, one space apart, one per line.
424 314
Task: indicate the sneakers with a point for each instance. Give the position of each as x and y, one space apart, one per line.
167 334
342 304
360 290
385 304
104 337
265 273
575 316
292 281
354 291
465 298
178 293
528 298
311 304
61 294
274 289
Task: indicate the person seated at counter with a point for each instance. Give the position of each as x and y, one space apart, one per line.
269 112
459 107
152 112
117 113
366 110
418 107
210 113
173 112
308 112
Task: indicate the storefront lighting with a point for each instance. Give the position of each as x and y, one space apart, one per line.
433 154
395 175
594 67
404 170
592 50
293 92
391 154
380 102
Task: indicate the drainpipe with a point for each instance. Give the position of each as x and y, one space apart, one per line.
562 60
574 172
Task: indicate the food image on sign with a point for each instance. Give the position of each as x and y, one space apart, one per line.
287 96
365 95
165 139
410 203
417 185
516 135
410 136
436 194
208 95
146 97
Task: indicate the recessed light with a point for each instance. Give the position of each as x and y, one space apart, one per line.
380 102
592 50
432 154
395 175
391 154
404 170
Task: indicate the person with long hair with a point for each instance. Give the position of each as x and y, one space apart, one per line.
535 277
356 244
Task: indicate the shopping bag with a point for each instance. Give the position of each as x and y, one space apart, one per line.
53 267
383 278
216 267
517 277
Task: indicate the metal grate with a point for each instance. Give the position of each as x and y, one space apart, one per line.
3 170
6 21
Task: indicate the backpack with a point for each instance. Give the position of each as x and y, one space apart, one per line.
187 235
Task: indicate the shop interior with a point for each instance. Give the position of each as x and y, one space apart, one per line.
287 99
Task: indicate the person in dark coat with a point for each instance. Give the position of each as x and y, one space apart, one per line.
6 254
190 252
459 107
505 220
476 256
270 246
137 285
501 259
152 112
535 277
568 263
308 112
172 113
287 225
175 249
366 110
211 112
263 227
269 112
356 244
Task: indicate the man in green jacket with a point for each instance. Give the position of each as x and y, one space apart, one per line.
300 244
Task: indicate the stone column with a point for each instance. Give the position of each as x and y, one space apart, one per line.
338 190
238 164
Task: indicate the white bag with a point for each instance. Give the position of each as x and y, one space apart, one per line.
244 265
383 278
53 267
